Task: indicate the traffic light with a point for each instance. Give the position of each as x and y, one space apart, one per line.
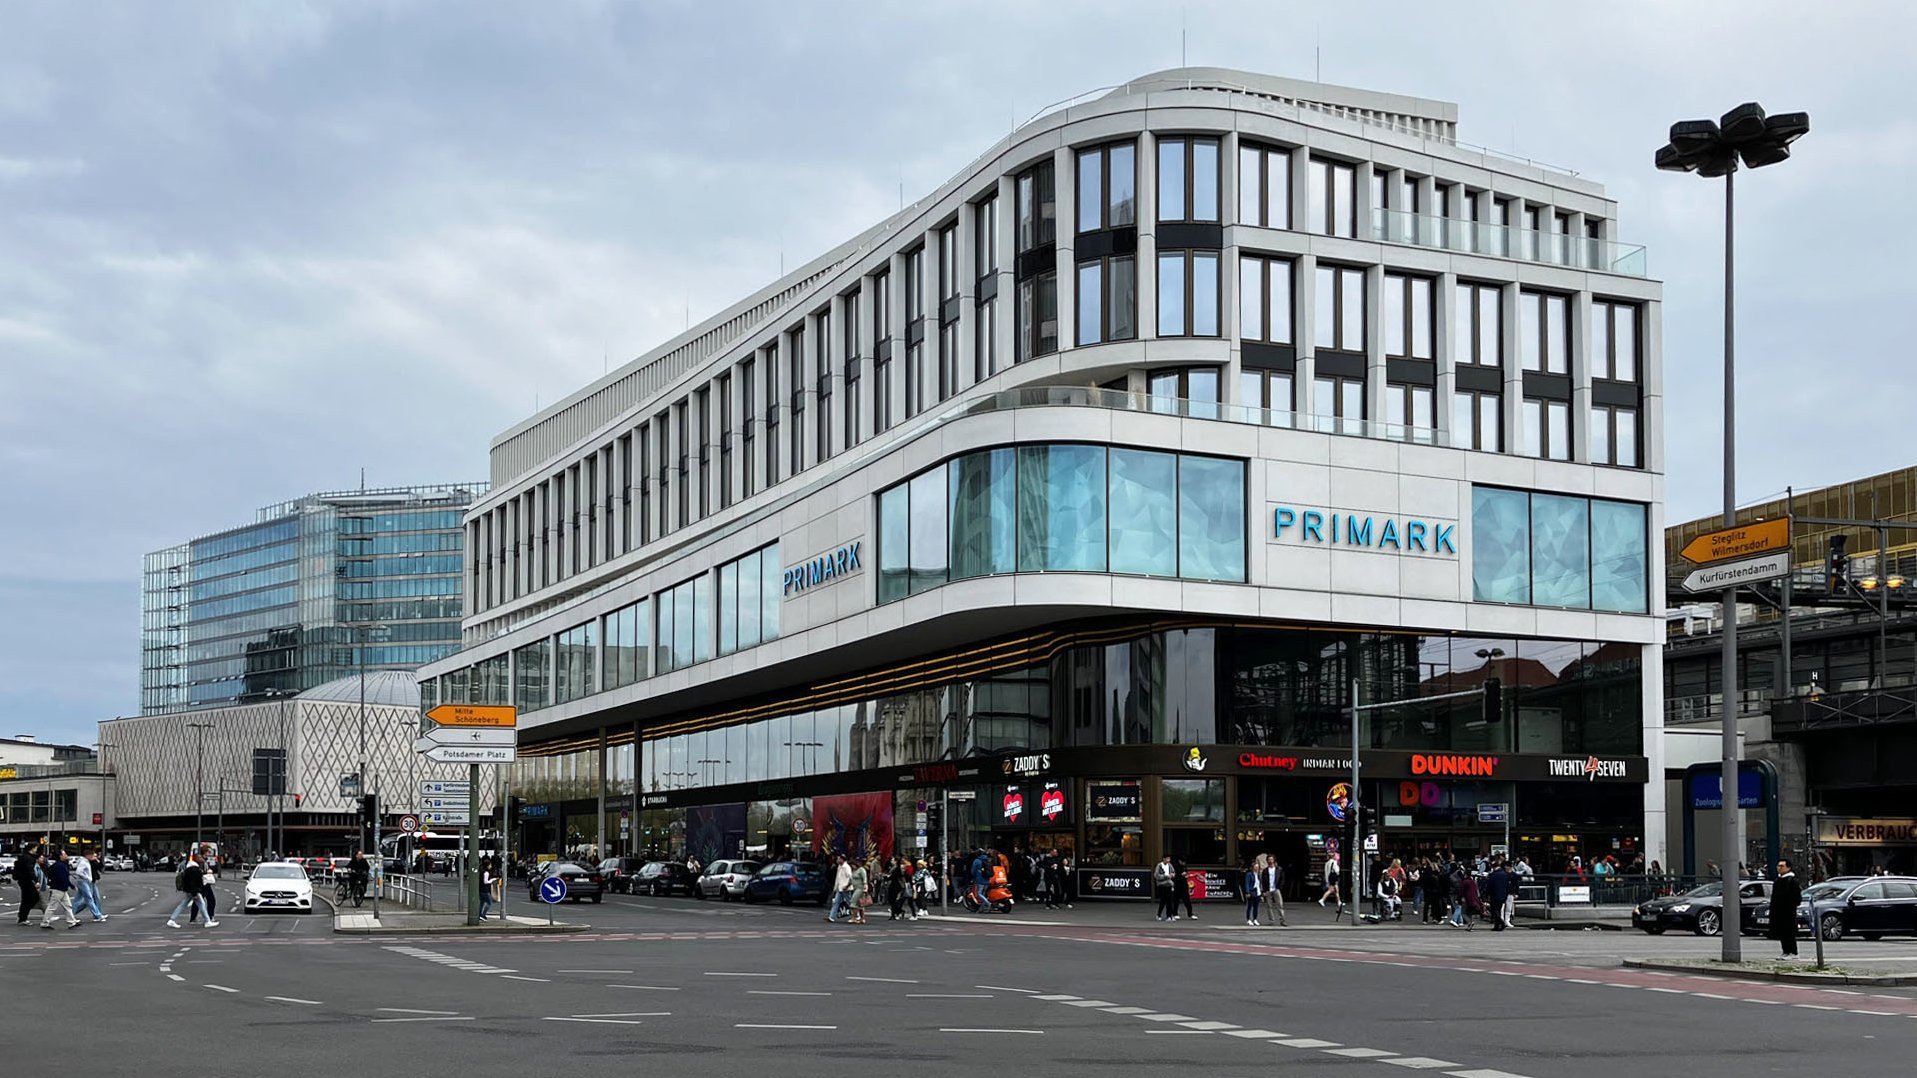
1493 700
297 798
514 806
369 806
1839 568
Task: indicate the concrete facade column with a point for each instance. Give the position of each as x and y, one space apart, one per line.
1065 198
1580 363
1007 328
1444 351
1513 399
1375 411
895 316
1147 266
1304 331
967 362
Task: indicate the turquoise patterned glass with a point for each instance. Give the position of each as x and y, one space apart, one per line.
894 543
1619 572
1560 550
930 545
1500 545
982 500
1144 525
1061 508
1211 518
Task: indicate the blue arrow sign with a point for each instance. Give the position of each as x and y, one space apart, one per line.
552 889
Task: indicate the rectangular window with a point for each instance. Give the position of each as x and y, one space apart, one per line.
1188 298
1038 316
1547 429
1341 403
851 309
748 419
1614 436
985 340
822 348
914 330
1264 186
852 383
1037 207
1476 419
1408 323
1340 309
1544 332
1614 344
795 379
1268 391
1188 179
1192 391
725 440
1333 198
1411 410
882 351
948 319
682 425
1107 187
741 600
1478 333
576 662
702 406
772 415
1107 300
985 325
1528 234
1264 299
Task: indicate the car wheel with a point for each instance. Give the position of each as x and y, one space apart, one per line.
597 898
746 897
699 893
1709 923
1653 930
785 896
1832 926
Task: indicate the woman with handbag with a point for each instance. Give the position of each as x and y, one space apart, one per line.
861 892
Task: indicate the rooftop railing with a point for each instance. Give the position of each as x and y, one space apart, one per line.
1506 241
1126 401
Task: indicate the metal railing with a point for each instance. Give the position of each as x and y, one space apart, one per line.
1127 401
410 892
1507 241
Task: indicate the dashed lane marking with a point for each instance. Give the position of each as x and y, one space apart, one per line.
965 1029
1307 1042
1483 1074
1166 1017
1126 1010
429 1018
1359 1053
709 973
628 1014
517 977
1002 988
598 1021
892 980
174 977
290 999
774 1025
1254 1034
777 992
1186 1032
411 1010
1418 1063
592 971
1208 1026
644 987
221 988
1086 1002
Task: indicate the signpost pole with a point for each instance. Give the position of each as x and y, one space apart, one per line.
1354 856
472 849
501 809
945 849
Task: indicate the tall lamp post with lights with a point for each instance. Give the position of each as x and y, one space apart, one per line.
1713 148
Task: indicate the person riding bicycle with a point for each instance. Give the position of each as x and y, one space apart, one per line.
358 872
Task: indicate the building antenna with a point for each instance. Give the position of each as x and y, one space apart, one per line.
901 187
362 480
1181 35
1318 56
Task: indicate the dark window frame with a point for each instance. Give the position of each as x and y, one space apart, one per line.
1106 332
1190 256
1265 297
1400 289
1265 154
1341 276
1108 207
1188 155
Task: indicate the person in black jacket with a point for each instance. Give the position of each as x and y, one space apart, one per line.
1785 895
23 874
1497 888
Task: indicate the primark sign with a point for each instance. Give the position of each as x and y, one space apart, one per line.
822 570
1379 533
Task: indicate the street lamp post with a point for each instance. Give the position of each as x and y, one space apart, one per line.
1713 148
99 753
276 783
199 782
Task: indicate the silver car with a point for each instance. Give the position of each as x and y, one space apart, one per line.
725 879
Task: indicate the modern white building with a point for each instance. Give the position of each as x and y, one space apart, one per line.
1080 491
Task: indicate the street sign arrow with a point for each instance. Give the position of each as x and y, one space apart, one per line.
467 735
471 754
1733 574
474 715
1743 541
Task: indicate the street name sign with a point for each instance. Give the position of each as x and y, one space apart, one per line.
467 735
1732 574
447 804
1494 812
1743 541
439 789
448 818
474 715
471 754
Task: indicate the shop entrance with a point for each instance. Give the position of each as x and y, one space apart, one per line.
1291 849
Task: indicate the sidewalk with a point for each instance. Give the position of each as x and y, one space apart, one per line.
403 922
1212 916
1801 970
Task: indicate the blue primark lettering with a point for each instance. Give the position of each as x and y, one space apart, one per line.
1390 534
823 568
1313 521
1281 520
1357 536
1441 540
1414 534
1380 533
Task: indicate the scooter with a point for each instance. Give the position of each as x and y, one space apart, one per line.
998 898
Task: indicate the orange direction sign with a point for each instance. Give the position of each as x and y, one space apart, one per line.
474 715
1743 541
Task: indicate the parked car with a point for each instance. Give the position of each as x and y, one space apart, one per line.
787 881
121 863
1873 908
582 884
1761 920
725 879
1701 909
662 878
6 862
619 872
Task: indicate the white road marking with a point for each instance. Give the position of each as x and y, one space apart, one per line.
741 974
221 988
772 1025
1418 1063
1880 1014
1167 1017
1307 1042
434 1018
628 1014
1253 1034
1582 980
1675 991
290 999
1208 1026
644 987
1711 995
174 977
1483 1074
890 980
1126 1010
1085 1002
410 1010
776 992
1002 988
516 977
947 995
962 1029
1359 1053
600 1021
1817 1006
1058 998
593 971
1187 1032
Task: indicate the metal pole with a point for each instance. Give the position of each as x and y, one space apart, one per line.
359 660
1354 871
199 782
1733 822
1784 628
505 838
472 847
945 848
1810 872
1883 605
379 856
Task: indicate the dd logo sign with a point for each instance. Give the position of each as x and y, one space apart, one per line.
1425 794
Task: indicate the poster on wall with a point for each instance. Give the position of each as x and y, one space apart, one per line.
857 825
715 832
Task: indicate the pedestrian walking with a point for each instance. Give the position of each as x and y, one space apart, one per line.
895 888
86 887
1165 889
1497 895
188 882
59 874
1253 884
1183 884
860 886
1274 888
1785 895
841 888
488 876
27 874
1331 884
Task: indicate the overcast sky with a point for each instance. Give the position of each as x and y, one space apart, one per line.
247 249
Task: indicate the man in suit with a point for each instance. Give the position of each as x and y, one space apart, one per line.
1785 895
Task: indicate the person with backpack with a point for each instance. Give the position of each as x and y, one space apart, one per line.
26 873
189 882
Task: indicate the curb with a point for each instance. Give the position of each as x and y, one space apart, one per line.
1885 980
560 928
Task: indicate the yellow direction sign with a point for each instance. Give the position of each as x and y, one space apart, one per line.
474 715
1743 541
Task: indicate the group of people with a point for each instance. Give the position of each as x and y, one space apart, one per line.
1030 875
906 886
1452 891
59 886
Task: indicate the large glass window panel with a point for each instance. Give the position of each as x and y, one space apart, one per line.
1211 518
1530 314
1201 387
1421 319
1204 182
1351 310
1600 340
1533 413
1091 295
683 629
728 608
1171 295
1144 522
642 639
1500 545
1091 193
663 634
770 592
982 521
1557 335
1600 436
750 602
1619 571
702 609
1122 208
929 540
1251 162
895 531
1324 329
1121 298
1251 298
1560 551
1624 368
1061 508
1171 179
1557 416
1204 291
1626 421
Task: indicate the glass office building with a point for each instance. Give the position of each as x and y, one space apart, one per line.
314 589
1070 505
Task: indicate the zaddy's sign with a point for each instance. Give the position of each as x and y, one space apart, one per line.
1391 535
823 569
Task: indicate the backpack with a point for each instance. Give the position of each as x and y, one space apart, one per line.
179 879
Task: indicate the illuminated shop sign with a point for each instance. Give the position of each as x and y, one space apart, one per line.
823 569
1386 534
1034 764
1586 767
1014 806
1265 762
1029 807
1113 801
1478 767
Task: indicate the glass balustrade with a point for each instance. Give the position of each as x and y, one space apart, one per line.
1125 401
1504 241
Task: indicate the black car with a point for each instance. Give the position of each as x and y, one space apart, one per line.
662 878
619 872
1873 907
1701 909
582 884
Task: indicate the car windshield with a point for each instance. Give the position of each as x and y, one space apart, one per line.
1825 890
1709 890
279 872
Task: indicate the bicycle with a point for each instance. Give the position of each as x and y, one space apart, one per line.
350 890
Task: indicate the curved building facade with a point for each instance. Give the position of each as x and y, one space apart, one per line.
1067 506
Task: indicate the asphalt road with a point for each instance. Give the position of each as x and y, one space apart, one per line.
709 988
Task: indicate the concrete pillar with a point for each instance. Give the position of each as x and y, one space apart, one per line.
1007 330
1065 193
1444 303
1580 362
967 361
895 312
1147 158
1513 401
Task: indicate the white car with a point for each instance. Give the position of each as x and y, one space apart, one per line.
6 863
119 864
278 886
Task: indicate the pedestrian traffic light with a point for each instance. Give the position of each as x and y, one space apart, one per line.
1493 700
297 798
369 806
1839 570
